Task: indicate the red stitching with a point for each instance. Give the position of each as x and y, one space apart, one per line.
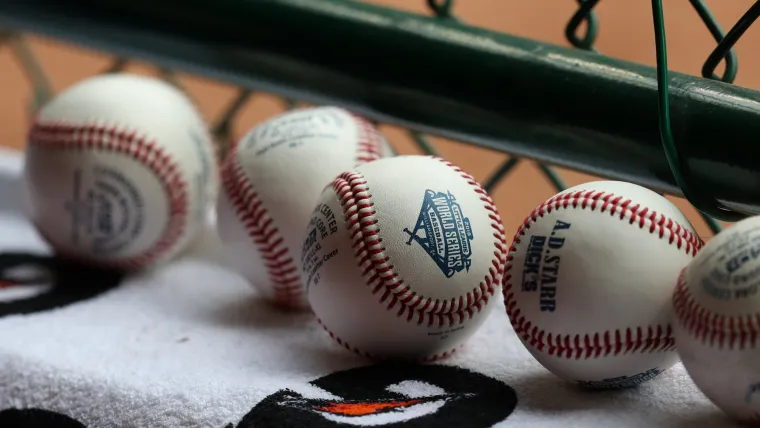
594 345
283 272
426 359
721 331
355 198
250 210
65 136
369 141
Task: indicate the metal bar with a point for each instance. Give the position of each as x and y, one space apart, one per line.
423 144
504 169
553 104
33 72
554 178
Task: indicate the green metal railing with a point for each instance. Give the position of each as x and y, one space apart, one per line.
265 46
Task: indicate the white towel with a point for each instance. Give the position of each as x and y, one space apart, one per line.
191 345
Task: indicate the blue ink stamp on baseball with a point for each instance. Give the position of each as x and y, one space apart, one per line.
541 266
443 232
622 381
106 211
735 272
323 224
294 129
203 181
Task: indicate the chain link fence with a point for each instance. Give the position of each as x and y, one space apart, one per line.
581 32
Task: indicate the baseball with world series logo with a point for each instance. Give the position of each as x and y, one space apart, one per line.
403 258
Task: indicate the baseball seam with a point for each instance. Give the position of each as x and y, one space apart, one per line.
611 342
715 330
283 272
356 200
60 135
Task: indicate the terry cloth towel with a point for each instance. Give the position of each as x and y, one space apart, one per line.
191 345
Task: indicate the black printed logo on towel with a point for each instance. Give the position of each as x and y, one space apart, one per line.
389 396
36 418
32 283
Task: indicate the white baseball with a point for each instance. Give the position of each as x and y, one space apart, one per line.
588 282
271 181
120 170
402 258
717 326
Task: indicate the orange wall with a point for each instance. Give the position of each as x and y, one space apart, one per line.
625 32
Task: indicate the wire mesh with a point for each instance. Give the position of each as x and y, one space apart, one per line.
581 32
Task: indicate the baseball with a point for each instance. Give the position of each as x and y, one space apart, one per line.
120 170
588 282
271 180
717 320
402 258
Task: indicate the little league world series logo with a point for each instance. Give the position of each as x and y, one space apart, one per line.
443 232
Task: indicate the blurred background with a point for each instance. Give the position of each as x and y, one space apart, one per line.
625 31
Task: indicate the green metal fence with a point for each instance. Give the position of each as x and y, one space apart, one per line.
265 46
